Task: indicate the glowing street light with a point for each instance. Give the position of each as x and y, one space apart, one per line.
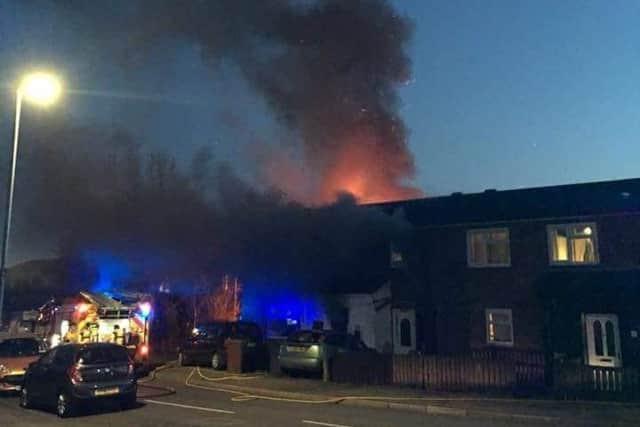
41 89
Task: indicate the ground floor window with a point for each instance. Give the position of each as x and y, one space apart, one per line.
499 323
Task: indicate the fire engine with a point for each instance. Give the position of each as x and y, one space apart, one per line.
121 318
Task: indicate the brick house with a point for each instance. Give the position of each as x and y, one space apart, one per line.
551 269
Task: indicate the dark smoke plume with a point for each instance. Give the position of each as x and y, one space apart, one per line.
97 191
329 69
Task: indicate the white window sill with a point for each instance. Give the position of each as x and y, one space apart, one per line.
573 264
500 344
488 265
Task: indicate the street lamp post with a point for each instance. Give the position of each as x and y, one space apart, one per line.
42 89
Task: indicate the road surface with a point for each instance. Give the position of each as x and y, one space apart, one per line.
197 407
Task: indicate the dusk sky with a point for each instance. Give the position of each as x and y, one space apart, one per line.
504 94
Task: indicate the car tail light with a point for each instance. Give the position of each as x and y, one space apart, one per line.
74 374
144 350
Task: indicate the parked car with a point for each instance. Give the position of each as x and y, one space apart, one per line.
16 353
72 375
304 350
207 345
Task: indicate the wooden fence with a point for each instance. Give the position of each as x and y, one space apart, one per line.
498 370
530 366
362 368
478 371
454 373
576 381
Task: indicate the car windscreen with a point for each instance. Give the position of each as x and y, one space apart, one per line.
102 354
19 347
339 340
210 330
305 337
247 330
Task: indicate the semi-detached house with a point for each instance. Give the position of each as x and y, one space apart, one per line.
550 269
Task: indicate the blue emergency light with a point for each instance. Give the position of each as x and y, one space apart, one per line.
145 309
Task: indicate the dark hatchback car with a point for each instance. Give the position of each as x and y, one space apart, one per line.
71 375
207 345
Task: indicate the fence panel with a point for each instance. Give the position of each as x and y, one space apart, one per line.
530 365
576 381
407 370
453 373
488 370
361 368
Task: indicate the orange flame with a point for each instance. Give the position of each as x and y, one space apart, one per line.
361 165
368 171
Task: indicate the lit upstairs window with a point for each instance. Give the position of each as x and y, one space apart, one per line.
573 244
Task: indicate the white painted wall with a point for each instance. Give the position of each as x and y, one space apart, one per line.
362 317
379 329
374 325
383 329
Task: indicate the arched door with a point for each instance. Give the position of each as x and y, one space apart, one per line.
404 330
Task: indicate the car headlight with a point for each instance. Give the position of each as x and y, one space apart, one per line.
3 370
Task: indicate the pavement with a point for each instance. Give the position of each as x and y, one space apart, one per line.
186 397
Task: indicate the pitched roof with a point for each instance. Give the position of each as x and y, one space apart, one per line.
574 200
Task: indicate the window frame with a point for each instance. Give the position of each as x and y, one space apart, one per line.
48 358
505 311
607 341
487 231
551 228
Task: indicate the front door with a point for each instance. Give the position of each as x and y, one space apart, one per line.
404 330
602 338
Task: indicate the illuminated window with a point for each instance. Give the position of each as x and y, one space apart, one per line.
499 326
488 247
573 243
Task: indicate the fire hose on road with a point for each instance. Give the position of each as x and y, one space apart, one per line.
243 396
162 390
392 401
412 403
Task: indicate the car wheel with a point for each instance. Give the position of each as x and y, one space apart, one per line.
289 372
25 399
294 373
64 407
182 359
129 402
216 362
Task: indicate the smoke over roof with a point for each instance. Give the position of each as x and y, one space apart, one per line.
108 200
329 70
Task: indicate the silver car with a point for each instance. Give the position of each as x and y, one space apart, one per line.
305 350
